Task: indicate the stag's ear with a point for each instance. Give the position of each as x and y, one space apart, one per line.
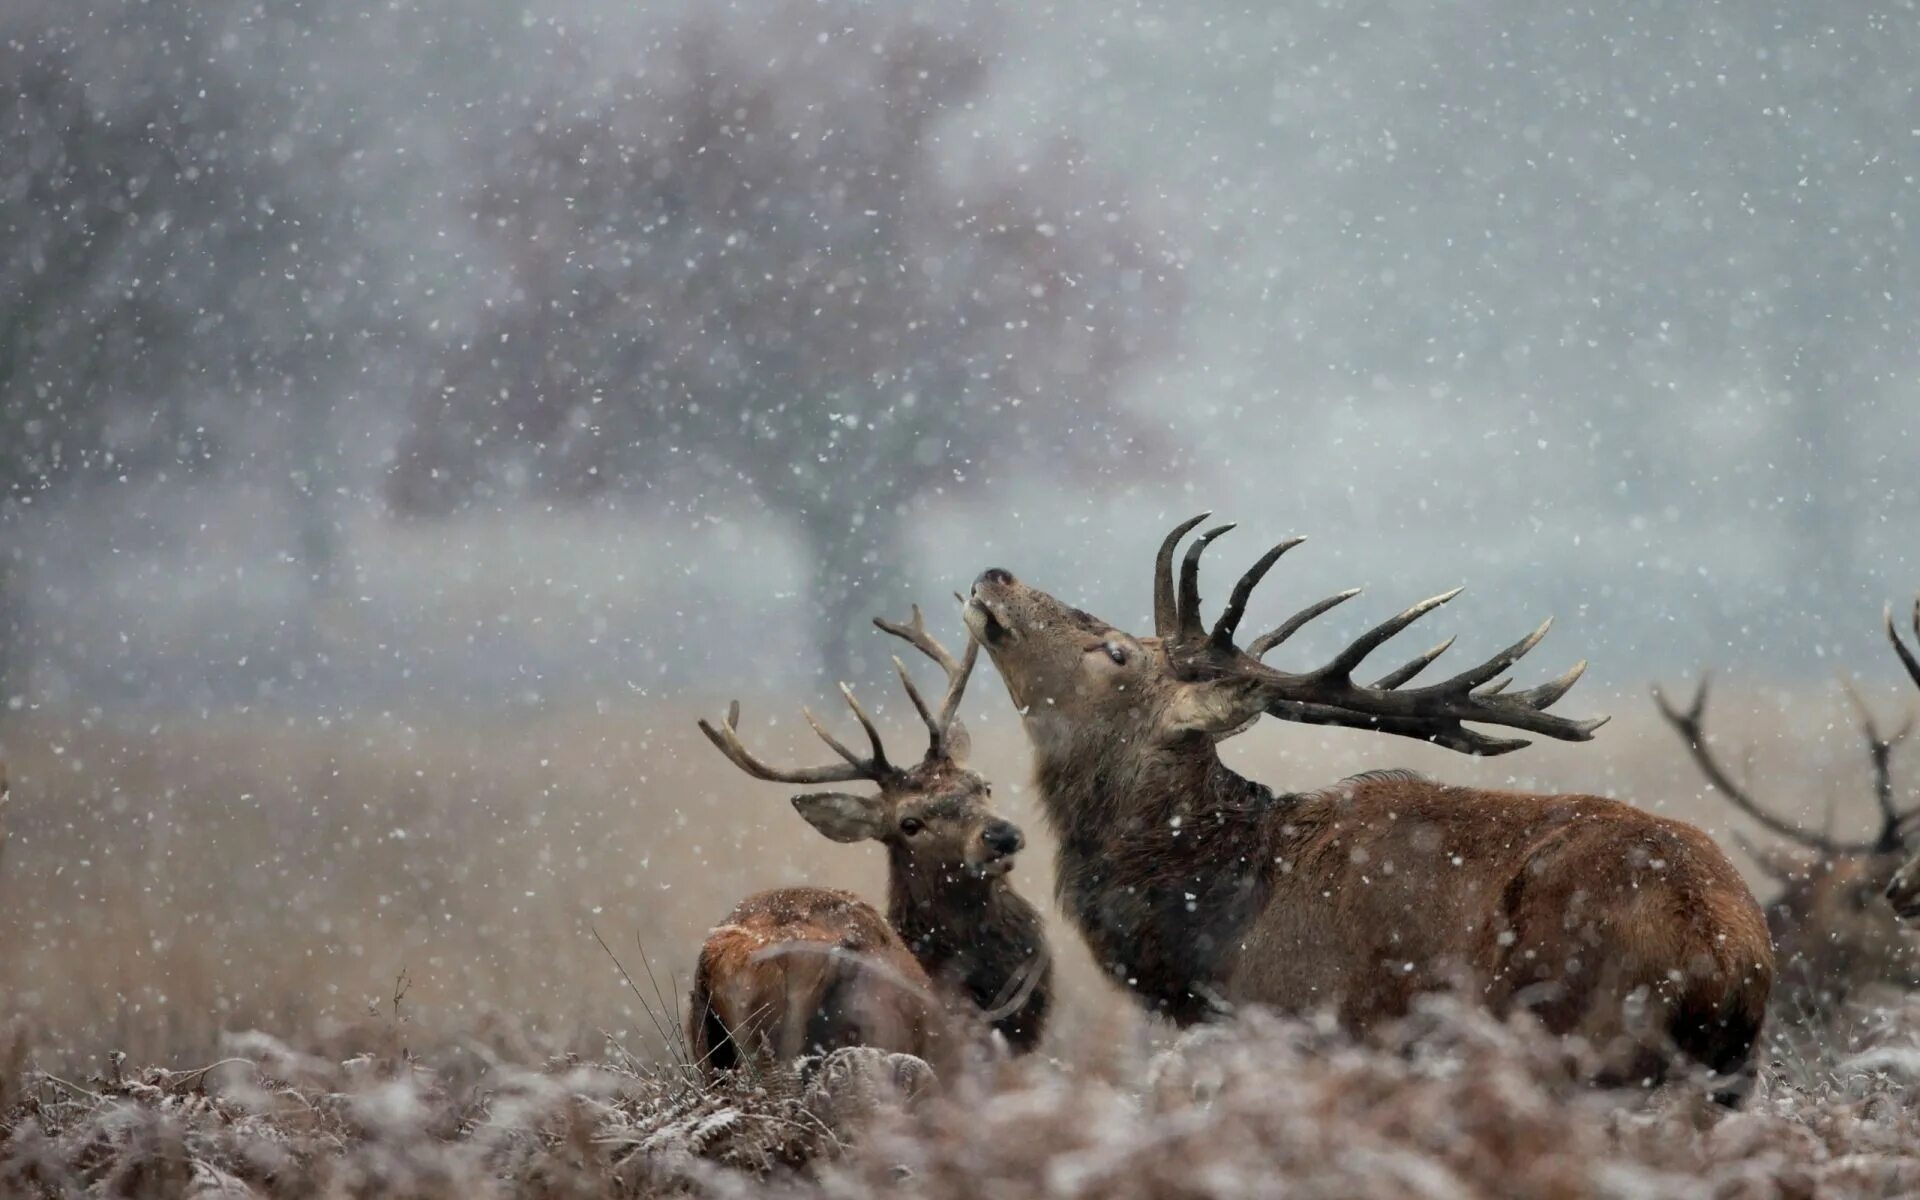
842 816
958 742
1216 708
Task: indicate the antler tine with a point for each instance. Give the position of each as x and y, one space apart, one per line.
913 694
915 632
1189 621
1880 745
726 739
873 734
824 734
1907 657
1229 622
1343 663
1690 725
956 688
1420 662
1473 677
1880 755
1293 624
1166 611
1545 695
1688 722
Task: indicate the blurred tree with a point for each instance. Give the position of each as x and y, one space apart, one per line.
157 215
746 263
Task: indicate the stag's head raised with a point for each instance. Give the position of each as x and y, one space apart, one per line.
935 817
1070 671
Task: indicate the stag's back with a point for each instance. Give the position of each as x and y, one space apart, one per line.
1575 907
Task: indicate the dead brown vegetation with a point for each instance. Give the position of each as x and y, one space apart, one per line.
1446 1103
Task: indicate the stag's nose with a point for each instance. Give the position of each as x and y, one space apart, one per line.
997 576
1003 837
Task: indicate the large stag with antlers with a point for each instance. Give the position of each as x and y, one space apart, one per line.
1201 890
1837 919
803 969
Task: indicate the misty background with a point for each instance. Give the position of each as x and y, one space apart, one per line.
513 356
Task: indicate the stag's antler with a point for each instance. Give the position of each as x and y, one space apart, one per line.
945 731
1328 694
1907 658
876 768
1690 723
942 741
1880 748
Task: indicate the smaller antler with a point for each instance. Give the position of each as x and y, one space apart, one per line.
1690 723
939 724
1880 748
726 738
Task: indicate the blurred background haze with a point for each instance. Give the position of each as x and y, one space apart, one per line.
412 415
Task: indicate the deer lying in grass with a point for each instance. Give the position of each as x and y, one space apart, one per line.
802 969
1200 889
1836 921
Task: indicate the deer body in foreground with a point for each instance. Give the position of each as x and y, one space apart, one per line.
795 970
1837 920
1202 890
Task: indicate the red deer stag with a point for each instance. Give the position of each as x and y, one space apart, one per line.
1201 889
1836 921
805 969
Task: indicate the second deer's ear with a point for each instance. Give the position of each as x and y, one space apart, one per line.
1216 708
842 816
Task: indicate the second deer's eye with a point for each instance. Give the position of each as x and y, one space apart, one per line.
911 825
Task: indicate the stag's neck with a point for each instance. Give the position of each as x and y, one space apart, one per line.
979 939
915 901
945 921
1165 855
1093 790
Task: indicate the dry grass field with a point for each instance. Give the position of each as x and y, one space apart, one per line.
384 931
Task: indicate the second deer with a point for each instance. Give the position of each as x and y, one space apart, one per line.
799 970
1837 919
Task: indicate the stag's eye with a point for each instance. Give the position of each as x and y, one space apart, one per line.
1117 653
911 825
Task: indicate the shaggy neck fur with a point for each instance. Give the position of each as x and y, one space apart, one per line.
978 937
1090 788
1165 856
